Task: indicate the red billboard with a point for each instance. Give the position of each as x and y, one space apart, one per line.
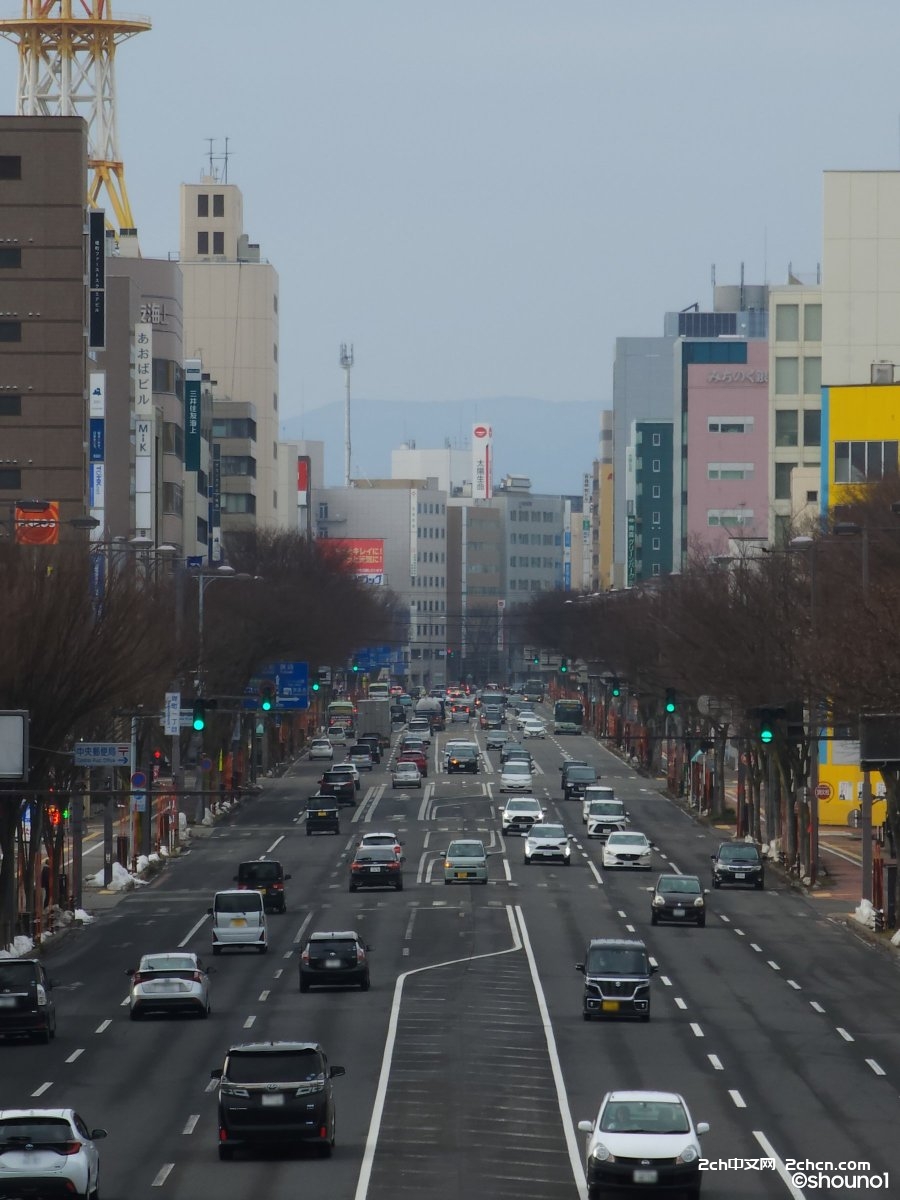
37 525
365 556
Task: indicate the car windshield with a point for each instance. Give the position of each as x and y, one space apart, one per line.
259 872
380 839
465 850
517 767
168 962
14 1130
687 884
644 1116
530 806
287 1066
739 854
627 839
239 902
617 960
16 974
548 831
332 946
605 808
581 774
374 854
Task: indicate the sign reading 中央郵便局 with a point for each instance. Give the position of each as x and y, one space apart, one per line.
102 754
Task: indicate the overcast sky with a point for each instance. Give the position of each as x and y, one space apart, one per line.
482 195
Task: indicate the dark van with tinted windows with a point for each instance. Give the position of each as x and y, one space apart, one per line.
267 877
616 978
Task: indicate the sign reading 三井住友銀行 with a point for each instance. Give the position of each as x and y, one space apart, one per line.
192 388
102 754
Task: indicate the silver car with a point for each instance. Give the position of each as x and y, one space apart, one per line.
173 982
406 774
48 1151
465 861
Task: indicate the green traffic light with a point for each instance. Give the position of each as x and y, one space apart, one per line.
315 687
766 735
199 721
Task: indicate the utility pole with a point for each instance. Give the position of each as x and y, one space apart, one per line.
346 360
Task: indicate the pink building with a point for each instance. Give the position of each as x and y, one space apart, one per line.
725 460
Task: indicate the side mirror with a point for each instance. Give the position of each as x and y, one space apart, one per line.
368 947
130 971
713 857
209 912
216 1074
287 876
97 1134
579 967
702 1127
586 1126
335 1071
706 891
653 968
234 878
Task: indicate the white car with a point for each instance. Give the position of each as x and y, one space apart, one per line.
524 715
520 814
533 729
406 774
51 1150
176 981
383 838
515 776
627 849
642 1141
321 748
605 817
546 843
595 791
420 728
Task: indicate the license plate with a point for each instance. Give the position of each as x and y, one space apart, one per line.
610 1006
740 874
462 874
679 912
7 1002
375 870
321 813
331 963
643 1176
275 1101
262 891
237 922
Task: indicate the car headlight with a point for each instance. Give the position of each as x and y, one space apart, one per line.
699 902
529 847
567 851
688 1155
447 863
659 902
601 1153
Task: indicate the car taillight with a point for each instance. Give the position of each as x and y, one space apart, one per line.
393 866
355 866
68 1147
360 954
137 977
278 886
196 977
242 887
41 994
304 957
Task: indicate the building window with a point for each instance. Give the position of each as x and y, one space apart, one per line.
812 323
10 166
787 376
275 352
218 205
10 479
202 204
10 256
10 406
10 331
202 242
654 570
783 480
857 462
730 424
812 427
729 516
656 518
218 243
656 492
235 464
657 439
729 471
812 497
786 427
654 543
787 323
655 466
173 499
812 376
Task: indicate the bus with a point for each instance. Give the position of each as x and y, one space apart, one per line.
342 712
379 690
568 716
534 690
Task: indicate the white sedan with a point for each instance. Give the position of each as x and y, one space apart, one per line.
321 748
627 849
515 776
533 729
176 981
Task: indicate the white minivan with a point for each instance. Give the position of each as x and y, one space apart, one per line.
238 919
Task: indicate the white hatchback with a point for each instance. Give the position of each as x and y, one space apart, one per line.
50 1150
515 776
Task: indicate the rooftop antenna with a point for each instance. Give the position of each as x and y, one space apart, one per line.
346 360
212 169
225 158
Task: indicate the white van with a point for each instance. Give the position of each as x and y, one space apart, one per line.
238 919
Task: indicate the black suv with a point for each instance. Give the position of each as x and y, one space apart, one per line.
272 1092
340 785
463 758
616 978
322 815
26 1003
334 958
576 776
738 862
266 876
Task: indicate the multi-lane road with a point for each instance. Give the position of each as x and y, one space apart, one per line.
468 1062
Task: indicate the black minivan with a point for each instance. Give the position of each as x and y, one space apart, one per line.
26 1003
616 978
267 877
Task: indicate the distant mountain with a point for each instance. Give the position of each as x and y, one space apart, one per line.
553 444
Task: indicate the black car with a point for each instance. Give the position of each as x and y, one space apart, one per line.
575 779
511 749
340 785
266 876
678 898
373 741
738 863
276 1092
334 958
322 815
464 758
26 1001
616 978
376 866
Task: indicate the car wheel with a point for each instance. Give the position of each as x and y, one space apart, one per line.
217 949
645 1017
364 986
716 883
586 1015
204 1012
446 882
53 1028
398 886
351 887
654 919
43 1035
304 986
759 885
226 1153
325 1149
701 922
567 863
262 949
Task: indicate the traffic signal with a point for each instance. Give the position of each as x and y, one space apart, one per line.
671 702
536 660
53 815
199 720
563 666
615 689
355 666
157 758
766 729
267 697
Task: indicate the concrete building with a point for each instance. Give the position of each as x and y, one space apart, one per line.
649 489
231 324
476 601
43 313
602 509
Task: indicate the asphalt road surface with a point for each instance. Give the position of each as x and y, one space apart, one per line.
468 1062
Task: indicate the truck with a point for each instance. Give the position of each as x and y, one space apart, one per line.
433 710
374 716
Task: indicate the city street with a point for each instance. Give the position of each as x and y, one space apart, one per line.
468 1063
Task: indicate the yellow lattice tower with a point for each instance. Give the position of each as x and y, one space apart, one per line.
67 52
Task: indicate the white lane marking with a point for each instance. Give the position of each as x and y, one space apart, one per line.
680 1003
212 1085
299 934
816 1005
875 1067
716 1061
737 1098
506 870
191 1123
758 949
793 983
249 1022
263 996
162 1175
407 936
848 1037
278 974
595 873
622 913
127 1000
665 980
630 928
44 1086
103 1026
275 843
774 965
184 941
769 1151
739 932
696 1030
726 919
75 1054
288 954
